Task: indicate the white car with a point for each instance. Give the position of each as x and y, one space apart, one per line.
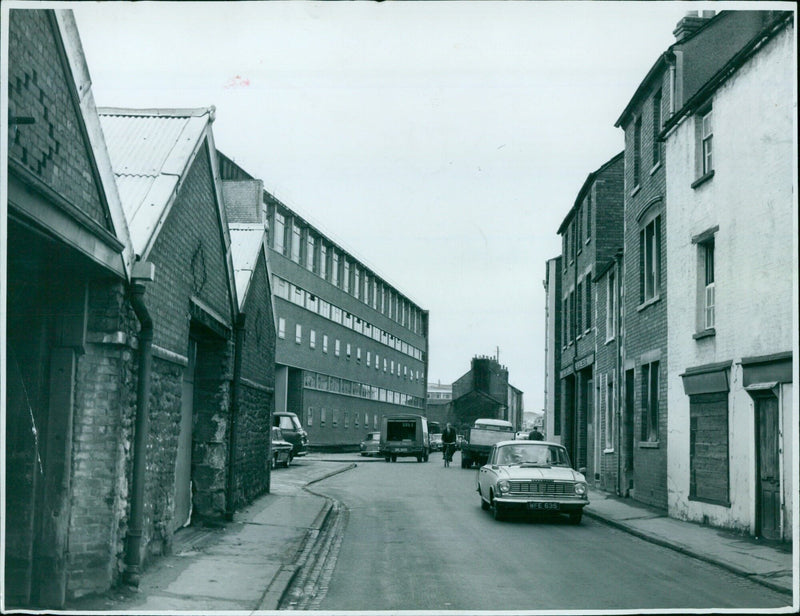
533 477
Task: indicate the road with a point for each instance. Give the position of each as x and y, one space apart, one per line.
415 538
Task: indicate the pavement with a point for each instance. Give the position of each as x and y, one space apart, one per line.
249 563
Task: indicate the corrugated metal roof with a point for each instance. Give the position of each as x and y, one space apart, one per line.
246 243
149 151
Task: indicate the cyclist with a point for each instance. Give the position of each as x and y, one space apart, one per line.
448 443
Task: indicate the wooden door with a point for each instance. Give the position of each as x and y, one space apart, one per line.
768 497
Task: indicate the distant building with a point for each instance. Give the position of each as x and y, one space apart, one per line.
484 392
729 241
440 403
351 347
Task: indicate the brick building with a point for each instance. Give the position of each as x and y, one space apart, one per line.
729 238
704 44
69 320
439 406
484 392
351 347
590 235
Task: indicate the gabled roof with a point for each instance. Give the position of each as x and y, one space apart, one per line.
247 243
584 189
150 151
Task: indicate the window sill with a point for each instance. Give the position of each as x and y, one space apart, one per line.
706 333
649 302
710 501
608 450
703 179
649 445
636 189
655 168
610 340
588 239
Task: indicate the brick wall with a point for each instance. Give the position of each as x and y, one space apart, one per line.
53 149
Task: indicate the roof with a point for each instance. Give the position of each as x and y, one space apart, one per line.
150 150
494 422
247 241
584 189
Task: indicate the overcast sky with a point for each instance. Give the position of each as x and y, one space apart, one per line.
442 143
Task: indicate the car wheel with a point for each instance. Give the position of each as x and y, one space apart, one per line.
575 517
497 511
363 454
386 458
484 503
426 457
419 459
394 458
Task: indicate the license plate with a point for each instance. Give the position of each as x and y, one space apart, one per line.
546 506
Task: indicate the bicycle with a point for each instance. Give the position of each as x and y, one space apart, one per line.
447 453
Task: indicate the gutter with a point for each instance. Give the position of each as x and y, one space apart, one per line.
230 491
133 547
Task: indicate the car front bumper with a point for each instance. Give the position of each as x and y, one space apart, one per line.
540 505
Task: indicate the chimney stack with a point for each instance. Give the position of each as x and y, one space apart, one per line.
690 23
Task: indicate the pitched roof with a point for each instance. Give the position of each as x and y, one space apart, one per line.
247 242
150 151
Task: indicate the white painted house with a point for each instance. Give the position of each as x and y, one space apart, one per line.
731 265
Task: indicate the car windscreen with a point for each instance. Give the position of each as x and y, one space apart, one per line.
546 455
288 422
401 430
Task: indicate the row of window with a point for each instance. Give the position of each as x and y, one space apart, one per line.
573 237
390 366
334 384
656 145
577 312
331 417
305 299
302 246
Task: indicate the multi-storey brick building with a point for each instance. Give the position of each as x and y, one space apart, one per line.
590 235
729 239
704 44
351 347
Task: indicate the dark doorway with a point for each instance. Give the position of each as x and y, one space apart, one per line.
768 497
628 429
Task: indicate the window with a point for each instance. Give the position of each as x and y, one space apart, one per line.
385 364
298 296
650 402
588 307
348 350
374 294
391 365
310 252
323 261
637 151
336 348
281 287
356 282
708 447
322 413
298 333
377 362
708 287
650 260
707 140
579 310
611 306
311 302
578 231
281 327
564 322
324 343
312 339
375 422
355 419
295 243
334 268
310 416
280 231
589 214
358 354
346 419
369 360
335 419
656 128
346 275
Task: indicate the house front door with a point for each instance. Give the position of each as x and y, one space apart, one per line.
768 497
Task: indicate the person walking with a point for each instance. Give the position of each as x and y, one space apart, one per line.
535 435
448 443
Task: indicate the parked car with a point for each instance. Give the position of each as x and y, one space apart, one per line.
281 449
532 477
436 441
292 431
371 445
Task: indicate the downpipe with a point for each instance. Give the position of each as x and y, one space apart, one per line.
133 554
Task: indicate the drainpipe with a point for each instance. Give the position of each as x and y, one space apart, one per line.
133 556
230 494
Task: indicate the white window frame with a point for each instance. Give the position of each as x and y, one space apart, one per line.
611 305
707 142
281 328
298 333
312 339
324 343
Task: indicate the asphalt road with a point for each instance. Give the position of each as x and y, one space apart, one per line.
417 539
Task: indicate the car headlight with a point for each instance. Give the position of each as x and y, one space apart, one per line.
503 486
580 489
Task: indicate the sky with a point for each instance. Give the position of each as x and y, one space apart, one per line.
440 143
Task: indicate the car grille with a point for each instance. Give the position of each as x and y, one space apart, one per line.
542 488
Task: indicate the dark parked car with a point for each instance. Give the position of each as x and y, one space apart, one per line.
292 431
281 449
371 445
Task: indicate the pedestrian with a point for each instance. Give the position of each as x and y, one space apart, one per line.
448 442
535 435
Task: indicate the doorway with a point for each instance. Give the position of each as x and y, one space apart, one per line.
768 484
